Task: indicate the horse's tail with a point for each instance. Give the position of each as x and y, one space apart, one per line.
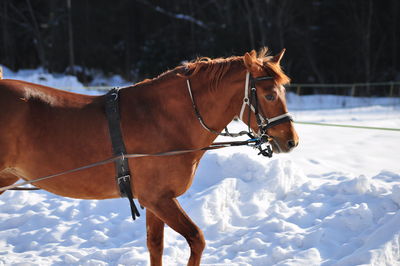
1 72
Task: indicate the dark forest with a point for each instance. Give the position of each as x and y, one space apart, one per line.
332 41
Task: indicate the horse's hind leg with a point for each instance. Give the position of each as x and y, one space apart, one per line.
170 211
7 179
155 237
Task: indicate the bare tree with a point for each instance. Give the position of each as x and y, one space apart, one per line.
394 34
40 46
70 40
360 18
249 17
8 50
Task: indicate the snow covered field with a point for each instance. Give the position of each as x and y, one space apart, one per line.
335 200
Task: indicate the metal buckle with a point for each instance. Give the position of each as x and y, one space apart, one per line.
264 146
124 178
267 151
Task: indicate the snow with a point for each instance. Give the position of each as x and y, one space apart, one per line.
335 200
40 76
67 82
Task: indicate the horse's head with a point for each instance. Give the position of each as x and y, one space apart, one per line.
267 77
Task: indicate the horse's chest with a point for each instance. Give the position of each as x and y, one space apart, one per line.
167 174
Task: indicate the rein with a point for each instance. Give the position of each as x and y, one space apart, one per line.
217 145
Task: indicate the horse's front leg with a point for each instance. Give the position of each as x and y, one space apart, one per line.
170 211
155 237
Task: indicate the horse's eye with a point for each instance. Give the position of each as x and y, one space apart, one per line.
270 97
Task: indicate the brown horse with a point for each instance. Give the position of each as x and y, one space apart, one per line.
45 131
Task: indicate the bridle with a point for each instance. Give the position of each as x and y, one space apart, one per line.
263 122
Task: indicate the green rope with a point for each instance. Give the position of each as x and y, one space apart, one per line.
350 126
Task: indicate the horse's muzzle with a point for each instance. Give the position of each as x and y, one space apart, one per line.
281 146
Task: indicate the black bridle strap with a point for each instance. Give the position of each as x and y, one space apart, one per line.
253 80
278 120
201 120
261 118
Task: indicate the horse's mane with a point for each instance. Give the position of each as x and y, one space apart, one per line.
271 67
217 68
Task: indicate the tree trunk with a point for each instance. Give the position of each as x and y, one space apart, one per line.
250 23
367 41
9 58
70 40
40 47
395 9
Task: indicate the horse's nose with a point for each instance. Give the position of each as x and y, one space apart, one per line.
291 144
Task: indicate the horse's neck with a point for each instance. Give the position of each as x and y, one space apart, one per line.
218 106
166 110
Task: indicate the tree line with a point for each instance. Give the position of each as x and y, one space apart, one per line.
330 41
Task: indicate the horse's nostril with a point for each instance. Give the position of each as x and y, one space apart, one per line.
291 144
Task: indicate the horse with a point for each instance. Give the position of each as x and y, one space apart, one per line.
44 130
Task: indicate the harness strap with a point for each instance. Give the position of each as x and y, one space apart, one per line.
123 176
246 97
201 120
197 110
253 96
25 188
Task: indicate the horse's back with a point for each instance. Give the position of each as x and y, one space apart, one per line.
12 91
45 130
24 104
28 109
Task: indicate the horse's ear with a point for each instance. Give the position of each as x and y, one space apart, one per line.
249 59
277 58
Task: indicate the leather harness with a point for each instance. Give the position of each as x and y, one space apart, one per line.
123 175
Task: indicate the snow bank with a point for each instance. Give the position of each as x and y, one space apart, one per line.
276 216
41 76
318 102
66 82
